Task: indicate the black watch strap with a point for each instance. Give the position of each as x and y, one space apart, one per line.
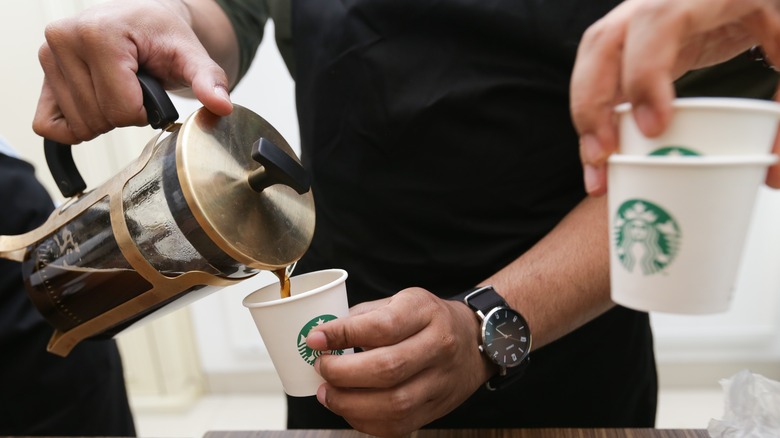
483 303
512 375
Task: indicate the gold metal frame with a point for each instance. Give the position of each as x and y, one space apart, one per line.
163 288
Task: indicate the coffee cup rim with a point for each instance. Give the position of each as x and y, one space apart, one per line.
340 278
715 103
693 161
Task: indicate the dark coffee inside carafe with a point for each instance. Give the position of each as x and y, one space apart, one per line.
68 296
78 272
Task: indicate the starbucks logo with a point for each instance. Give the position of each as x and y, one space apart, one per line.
646 236
672 151
307 353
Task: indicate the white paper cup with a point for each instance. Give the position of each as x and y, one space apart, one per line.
283 323
706 126
678 227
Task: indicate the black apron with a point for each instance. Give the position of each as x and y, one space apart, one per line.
44 394
438 137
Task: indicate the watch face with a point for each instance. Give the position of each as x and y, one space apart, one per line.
505 336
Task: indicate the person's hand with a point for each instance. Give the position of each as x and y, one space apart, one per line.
420 361
636 52
90 61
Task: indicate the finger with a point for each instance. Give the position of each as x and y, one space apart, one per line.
402 315
595 179
113 82
398 338
60 117
392 411
48 121
189 65
210 86
594 92
767 28
379 367
651 51
175 58
773 173
667 39
70 80
74 53
595 82
317 340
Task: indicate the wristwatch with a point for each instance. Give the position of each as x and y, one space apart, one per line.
505 336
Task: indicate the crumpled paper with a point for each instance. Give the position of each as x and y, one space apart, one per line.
752 408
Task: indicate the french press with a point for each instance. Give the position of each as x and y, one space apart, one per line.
208 203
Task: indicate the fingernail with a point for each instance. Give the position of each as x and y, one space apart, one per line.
592 176
646 119
222 92
317 340
591 148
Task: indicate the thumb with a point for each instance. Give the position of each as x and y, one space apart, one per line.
317 338
210 86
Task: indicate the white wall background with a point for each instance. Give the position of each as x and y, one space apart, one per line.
224 333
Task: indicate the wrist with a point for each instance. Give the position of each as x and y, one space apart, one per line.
487 369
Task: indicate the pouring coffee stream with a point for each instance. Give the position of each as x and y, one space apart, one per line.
210 202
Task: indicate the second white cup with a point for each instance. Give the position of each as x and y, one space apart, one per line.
678 227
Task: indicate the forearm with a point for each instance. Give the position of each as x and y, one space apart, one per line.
563 281
215 31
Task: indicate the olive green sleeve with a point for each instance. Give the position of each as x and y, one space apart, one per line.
739 77
248 18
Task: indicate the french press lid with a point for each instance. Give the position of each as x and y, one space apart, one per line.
245 187
241 182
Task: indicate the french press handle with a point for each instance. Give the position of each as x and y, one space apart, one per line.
160 113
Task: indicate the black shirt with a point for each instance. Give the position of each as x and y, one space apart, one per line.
440 145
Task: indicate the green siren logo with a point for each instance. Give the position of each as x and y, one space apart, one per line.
674 151
307 353
645 236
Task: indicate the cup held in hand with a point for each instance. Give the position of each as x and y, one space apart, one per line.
706 126
283 323
680 203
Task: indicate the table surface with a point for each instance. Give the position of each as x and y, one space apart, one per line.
475 433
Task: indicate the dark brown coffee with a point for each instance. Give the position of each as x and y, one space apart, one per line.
283 275
68 296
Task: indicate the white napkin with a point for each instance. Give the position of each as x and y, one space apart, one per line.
752 408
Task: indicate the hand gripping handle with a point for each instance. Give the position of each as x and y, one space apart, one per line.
160 113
